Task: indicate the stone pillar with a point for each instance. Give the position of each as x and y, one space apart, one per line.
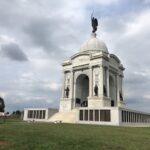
118 90
74 91
71 88
46 114
101 83
71 85
32 114
108 94
90 82
121 87
26 111
42 114
35 114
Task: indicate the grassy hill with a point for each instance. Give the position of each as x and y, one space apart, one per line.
45 136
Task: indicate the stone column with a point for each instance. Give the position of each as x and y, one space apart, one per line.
121 87
74 91
46 114
108 94
32 114
42 115
101 83
35 114
26 111
71 84
71 88
90 82
118 89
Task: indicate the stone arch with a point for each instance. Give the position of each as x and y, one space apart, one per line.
112 90
78 73
82 90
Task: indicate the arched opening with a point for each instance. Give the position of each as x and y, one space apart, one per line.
112 90
82 91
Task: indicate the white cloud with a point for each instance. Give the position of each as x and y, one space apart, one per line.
146 1
105 2
54 86
139 25
147 97
4 39
140 73
3 94
28 75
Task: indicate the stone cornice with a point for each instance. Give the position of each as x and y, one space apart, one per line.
85 66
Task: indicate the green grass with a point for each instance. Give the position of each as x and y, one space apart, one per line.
44 136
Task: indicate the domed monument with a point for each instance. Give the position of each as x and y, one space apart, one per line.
92 77
92 88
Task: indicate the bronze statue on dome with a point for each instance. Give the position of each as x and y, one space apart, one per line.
94 23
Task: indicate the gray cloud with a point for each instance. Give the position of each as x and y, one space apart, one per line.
13 52
40 32
31 93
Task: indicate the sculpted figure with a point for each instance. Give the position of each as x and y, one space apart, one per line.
105 91
96 90
121 97
67 91
94 23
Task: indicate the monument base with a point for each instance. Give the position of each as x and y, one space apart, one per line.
65 104
99 102
121 104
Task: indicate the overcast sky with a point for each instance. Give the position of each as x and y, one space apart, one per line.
37 35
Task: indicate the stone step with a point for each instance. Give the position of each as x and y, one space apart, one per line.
64 117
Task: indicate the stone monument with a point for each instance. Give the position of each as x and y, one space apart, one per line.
92 89
94 76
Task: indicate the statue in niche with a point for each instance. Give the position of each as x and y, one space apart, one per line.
94 23
96 90
2 105
67 92
105 91
121 97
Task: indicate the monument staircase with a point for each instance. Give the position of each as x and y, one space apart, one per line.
64 117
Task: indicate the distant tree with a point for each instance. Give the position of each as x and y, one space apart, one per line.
7 113
2 105
14 112
18 112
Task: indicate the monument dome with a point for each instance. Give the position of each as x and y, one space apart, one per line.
94 44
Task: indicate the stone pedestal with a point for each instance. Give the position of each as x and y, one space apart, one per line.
65 104
99 102
121 104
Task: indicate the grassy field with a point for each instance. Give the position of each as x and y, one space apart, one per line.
44 136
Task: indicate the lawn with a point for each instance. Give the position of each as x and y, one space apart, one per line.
46 136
